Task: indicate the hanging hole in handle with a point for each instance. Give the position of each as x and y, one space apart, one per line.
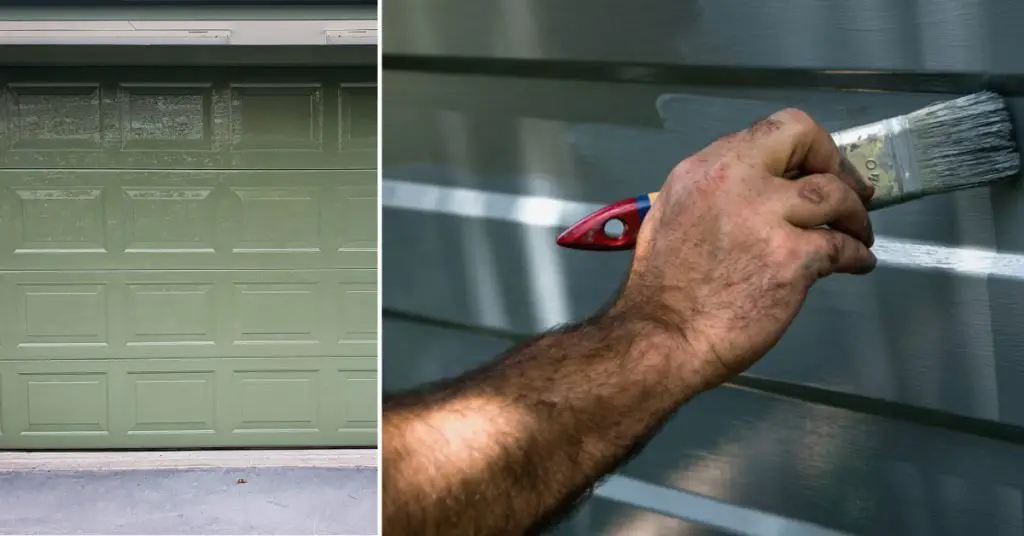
614 228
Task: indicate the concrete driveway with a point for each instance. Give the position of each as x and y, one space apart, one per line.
188 498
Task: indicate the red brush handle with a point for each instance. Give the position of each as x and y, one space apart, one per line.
590 232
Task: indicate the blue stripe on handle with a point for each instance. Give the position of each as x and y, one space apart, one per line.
643 204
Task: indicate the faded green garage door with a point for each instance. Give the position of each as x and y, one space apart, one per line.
187 258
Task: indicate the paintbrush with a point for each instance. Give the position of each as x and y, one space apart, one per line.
947 146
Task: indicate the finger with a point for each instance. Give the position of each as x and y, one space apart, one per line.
823 199
791 141
835 252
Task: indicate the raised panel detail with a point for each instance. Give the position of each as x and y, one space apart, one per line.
358 214
170 219
141 219
358 389
128 315
212 119
171 248
358 117
358 304
62 315
172 402
194 402
53 117
277 400
160 117
65 403
65 219
162 313
278 220
277 117
269 313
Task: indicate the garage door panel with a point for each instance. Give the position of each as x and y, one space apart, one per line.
187 313
192 124
188 402
160 219
187 257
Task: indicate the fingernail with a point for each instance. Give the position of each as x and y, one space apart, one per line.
869 263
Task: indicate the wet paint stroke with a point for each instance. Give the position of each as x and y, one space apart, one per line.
542 211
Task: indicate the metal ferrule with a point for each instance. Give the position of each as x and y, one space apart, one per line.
882 152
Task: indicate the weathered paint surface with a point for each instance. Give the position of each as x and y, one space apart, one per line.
902 389
187 258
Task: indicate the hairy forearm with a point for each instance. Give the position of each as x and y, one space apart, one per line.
507 446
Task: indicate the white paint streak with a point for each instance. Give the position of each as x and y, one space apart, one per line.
703 510
542 211
550 303
532 210
484 288
545 271
519 29
975 311
961 259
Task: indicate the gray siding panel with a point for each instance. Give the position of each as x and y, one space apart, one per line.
899 335
516 105
973 36
936 339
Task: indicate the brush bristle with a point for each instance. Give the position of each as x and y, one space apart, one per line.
964 142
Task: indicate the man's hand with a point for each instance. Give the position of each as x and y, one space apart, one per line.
722 265
730 249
